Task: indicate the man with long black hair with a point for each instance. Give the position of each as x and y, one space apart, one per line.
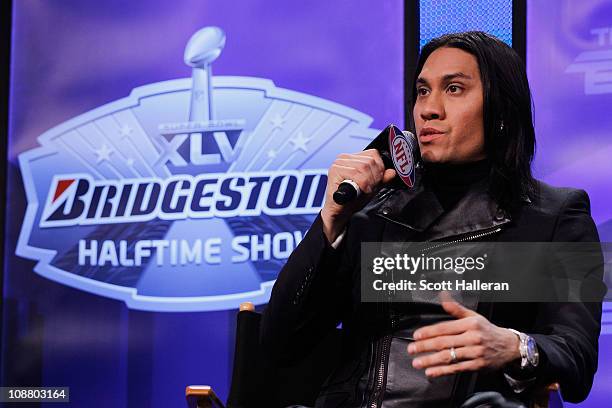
472 117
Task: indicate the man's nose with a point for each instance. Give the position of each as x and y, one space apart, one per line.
433 108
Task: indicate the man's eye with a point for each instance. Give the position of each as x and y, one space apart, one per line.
454 89
422 91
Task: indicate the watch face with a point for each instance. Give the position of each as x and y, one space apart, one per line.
532 351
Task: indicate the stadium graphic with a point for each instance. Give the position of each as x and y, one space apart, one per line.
187 195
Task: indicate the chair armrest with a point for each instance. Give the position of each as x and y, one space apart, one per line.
202 396
247 307
542 396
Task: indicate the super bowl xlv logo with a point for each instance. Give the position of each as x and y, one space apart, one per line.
187 195
184 144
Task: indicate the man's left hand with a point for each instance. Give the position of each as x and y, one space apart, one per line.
478 344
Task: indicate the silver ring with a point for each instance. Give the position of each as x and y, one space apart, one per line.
453 355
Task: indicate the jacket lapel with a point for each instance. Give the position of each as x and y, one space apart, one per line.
420 211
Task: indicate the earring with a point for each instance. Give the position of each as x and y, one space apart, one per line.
501 125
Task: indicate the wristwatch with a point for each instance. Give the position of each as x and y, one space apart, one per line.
528 349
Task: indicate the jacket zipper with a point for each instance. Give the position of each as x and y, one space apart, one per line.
395 221
384 345
481 234
382 373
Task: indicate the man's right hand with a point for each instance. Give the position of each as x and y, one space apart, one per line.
365 168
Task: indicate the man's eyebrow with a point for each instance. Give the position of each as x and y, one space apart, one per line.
445 78
455 75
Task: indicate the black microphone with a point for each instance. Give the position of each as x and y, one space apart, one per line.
398 150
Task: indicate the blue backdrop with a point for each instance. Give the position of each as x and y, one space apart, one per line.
123 334
337 77
569 57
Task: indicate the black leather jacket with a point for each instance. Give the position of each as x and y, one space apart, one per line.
319 288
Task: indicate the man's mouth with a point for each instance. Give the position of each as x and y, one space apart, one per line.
429 133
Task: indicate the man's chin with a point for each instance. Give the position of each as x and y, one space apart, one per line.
431 157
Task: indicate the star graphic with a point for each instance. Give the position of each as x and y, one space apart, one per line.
125 131
129 162
277 122
103 153
299 142
272 154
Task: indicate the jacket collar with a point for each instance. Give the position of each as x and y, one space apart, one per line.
419 210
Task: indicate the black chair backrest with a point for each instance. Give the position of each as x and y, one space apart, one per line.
256 382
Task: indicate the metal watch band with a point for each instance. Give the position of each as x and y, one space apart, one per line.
522 347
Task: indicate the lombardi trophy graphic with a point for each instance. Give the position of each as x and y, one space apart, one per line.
203 48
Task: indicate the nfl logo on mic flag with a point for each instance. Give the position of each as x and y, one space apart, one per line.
402 149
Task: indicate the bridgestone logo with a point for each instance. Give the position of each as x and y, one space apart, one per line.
80 200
